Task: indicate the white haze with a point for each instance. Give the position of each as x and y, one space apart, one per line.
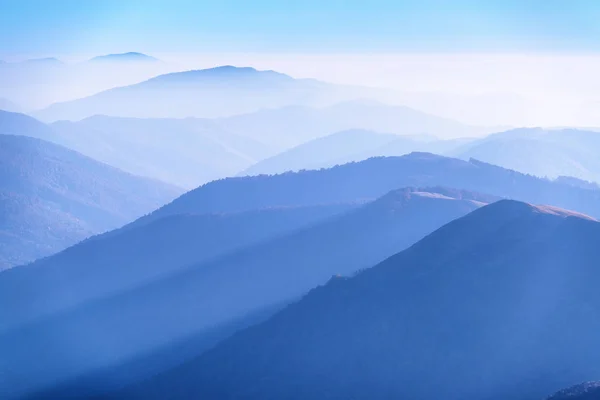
482 89
479 89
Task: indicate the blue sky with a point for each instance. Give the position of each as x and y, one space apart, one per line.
47 26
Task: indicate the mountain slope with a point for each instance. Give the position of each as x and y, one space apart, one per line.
539 152
124 258
13 123
196 299
7 105
53 197
500 304
373 178
322 152
344 147
185 152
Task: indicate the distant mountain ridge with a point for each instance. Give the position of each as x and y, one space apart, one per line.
124 57
227 91
321 152
36 83
14 123
198 93
238 75
296 124
192 151
186 152
546 153
348 146
373 178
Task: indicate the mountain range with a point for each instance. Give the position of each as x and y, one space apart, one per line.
337 186
131 322
499 304
184 152
555 153
240 281
541 152
373 178
283 104
53 197
236 233
18 124
296 124
297 137
283 128
347 146
192 151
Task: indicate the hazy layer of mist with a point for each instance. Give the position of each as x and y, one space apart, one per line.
474 88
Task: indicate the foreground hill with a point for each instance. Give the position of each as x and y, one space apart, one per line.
53 197
500 304
195 300
373 178
549 153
